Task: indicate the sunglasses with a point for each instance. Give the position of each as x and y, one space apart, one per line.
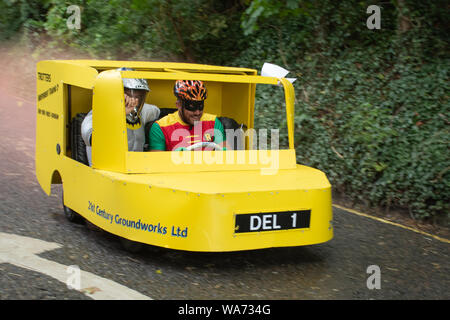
193 105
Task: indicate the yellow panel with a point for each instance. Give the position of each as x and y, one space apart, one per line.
216 182
161 93
81 100
160 66
289 98
70 72
268 161
200 76
50 121
109 137
236 102
193 220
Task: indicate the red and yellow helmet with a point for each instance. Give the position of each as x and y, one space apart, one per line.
193 90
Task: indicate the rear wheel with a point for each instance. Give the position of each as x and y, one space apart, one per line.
131 246
71 215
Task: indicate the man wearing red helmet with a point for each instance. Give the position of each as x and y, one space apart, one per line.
189 128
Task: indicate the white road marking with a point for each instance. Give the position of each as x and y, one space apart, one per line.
22 252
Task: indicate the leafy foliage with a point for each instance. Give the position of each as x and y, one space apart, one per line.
16 14
174 30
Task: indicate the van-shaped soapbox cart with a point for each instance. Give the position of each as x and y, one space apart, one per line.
211 201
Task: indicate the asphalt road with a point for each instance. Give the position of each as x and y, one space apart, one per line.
411 265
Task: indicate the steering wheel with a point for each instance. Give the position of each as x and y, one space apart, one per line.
210 145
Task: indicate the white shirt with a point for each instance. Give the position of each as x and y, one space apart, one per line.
136 137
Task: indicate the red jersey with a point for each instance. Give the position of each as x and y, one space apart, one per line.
178 134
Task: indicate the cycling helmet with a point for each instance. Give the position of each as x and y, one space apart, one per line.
193 90
137 88
132 83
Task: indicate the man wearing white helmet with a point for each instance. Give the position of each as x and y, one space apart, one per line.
138 113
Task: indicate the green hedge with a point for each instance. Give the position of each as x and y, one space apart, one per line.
372 106
383 138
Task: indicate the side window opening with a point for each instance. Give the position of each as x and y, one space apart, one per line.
270 126
78 103
78 146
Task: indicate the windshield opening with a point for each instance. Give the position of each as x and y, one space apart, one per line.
270 123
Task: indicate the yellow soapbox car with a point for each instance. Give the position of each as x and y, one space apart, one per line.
213 201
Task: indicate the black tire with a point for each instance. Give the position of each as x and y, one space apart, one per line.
72 216
131 246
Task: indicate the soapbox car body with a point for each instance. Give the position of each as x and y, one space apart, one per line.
212 201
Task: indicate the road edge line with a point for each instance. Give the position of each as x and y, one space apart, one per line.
391 223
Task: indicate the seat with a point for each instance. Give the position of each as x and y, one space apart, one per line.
77 142
235 141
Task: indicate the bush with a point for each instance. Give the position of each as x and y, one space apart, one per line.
16 14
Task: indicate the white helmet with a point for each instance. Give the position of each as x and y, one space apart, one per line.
135 84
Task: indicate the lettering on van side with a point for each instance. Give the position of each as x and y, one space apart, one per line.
139 224
48 92
48 114
44 76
